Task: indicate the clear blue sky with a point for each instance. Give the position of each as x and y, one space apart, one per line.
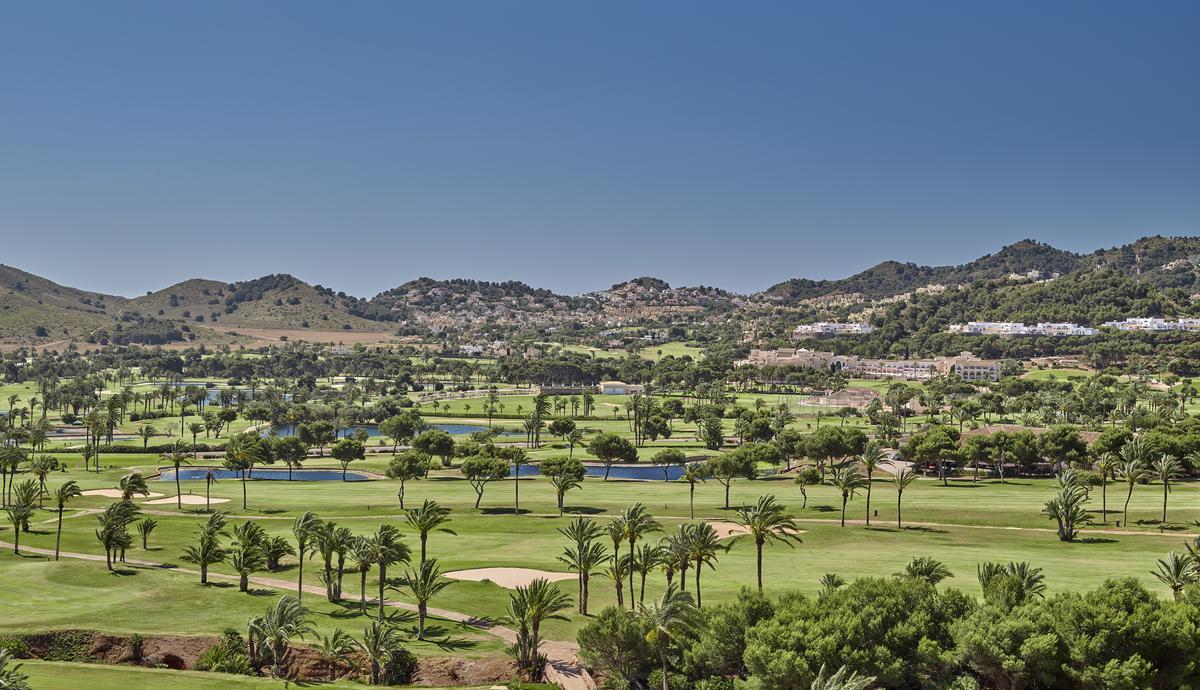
573 145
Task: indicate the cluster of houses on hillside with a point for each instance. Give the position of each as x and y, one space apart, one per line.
805 330
1012 328
1066 329
1155 325
965 365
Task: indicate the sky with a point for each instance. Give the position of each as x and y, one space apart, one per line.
573 145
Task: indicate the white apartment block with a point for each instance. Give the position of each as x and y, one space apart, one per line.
1154 324
832 328
1014 328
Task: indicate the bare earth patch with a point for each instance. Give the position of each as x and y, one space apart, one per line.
188 500
726 530
509 578
115 493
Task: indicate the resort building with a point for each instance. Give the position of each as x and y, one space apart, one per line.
789 357
969 368
830 328
618 388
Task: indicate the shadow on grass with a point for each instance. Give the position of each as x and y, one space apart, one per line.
503 511
924 528
582 510
823 508
1096 540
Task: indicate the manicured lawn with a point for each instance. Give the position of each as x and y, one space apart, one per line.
976 522
49 675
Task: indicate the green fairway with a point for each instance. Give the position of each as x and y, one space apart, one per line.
49 675
962 525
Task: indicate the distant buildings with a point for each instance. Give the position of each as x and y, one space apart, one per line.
965 365
805 330
1013 328
618 388
1153 324
1065 329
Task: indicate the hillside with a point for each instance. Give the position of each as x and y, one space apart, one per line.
274 301
892 277
32 306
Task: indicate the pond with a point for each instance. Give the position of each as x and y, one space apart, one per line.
187 474
643 472
373 430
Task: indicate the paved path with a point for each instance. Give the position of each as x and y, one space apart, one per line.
562 667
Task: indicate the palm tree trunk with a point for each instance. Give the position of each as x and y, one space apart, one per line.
243 582
300 574
692 500
382 578
584 599
698 568
759 546
843 510
422 611
899 524
868 500
178 495
362 592
244 491
58 537
1166 488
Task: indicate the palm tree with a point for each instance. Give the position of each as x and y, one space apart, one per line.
616 533
68 490
364 558
830 582
901 480
18 514
767 521
1164 470
528 608
145 527
585 556
207 550
335 649
305 530
645 560
518 457
425 583
380 643
11 677
872 455
429 517
132 484
177 457
1108 465
693 472
703 545
247 556
1176 571
667 618
284 620
925 568
849 481
41 467
842 679
637 523
387 549
1133 473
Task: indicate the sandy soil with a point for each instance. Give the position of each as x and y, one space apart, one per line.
270 336
510 578
116 493
188 500
726 530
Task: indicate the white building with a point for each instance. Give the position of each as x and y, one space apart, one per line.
832 328
618 388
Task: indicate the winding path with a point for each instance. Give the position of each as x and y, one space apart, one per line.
562 658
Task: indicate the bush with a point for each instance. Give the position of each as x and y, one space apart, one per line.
15 646
400 668
227 656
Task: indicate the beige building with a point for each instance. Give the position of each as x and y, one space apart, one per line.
969 368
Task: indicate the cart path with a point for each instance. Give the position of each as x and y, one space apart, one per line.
562 665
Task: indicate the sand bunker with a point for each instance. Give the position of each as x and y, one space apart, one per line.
115 493
510 578
726 530
188 500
